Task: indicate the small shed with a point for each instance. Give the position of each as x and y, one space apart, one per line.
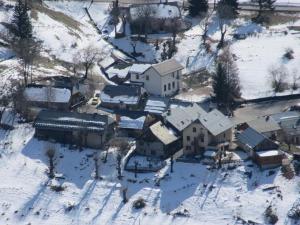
263 151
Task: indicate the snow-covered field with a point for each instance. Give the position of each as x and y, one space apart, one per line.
191 195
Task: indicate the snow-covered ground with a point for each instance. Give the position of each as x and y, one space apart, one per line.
191 195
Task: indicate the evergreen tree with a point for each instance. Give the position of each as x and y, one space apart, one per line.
21 21
264 5
228 9
226 83
197 7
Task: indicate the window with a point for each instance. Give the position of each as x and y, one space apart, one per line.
224 135
173 74
173 84
147 77
137 76
188 147
202 138
188 138
165 87
194 129
169 86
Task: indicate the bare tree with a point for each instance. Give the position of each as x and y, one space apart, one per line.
296 79
96 161
204 26
87 57
51 153
144 14
27 50
224 13
278 77
119 168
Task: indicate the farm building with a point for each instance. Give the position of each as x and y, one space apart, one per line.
261 149
158 141
81 129
122 97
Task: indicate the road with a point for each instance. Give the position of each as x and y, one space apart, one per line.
243 6
252 111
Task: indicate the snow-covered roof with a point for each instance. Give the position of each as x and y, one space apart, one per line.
132 123
269 153
113 72
165 135
127 94
139 68
158 11
156 105
168 66
47 94
71 121
106 62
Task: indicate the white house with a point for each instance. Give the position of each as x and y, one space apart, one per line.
162 79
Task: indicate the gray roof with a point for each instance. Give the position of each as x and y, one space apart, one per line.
127 94
165 135
167 67
289 122
132 123
71 121
278 117
250 137
215 122
182 117
264 124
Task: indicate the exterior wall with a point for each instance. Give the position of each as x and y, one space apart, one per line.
190 146
269 161
223 137
196 144
151 148
155 84
172 82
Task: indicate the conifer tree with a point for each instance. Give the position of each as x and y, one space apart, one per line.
21 21
197 7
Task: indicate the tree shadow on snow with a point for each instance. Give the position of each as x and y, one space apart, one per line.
71 166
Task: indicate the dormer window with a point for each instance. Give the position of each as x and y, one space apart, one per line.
137 76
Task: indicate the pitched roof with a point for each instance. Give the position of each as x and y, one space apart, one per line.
167 67
139 68
127 94
250 137
182 117
215 122
71 121
132 123
156 105
164 134
264 124
289 122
